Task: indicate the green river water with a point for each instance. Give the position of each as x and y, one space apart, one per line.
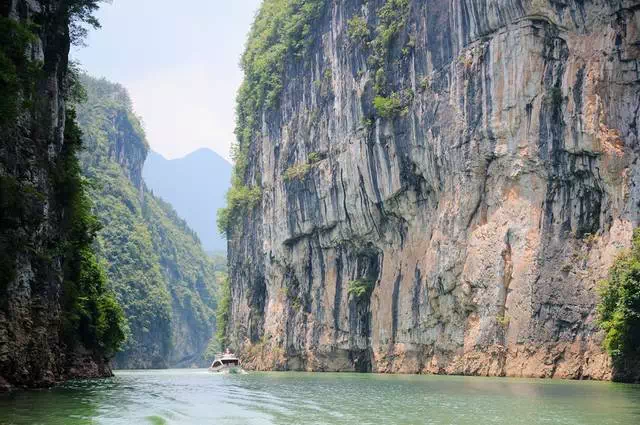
198 397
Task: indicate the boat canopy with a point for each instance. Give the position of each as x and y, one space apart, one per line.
226 360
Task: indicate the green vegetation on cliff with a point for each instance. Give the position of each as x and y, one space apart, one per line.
280 32
391 19
619 308
360 288
358 29
387 107
46 218
91 314
164 280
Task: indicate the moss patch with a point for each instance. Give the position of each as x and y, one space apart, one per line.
360 288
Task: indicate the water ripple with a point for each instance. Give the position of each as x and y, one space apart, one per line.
197 397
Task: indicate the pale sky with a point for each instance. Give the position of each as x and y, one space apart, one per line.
179 61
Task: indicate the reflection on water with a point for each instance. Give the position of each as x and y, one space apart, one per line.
197 397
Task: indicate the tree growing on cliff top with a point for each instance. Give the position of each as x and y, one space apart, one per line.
619 307
80 14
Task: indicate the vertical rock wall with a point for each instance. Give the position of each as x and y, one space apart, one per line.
31 349
482 214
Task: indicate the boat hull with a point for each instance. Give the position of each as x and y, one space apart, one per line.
227 370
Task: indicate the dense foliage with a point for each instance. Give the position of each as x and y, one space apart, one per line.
155 263
358 29
239 198
619 307
393 17
80 14
387 107
91 314
296 172
281 32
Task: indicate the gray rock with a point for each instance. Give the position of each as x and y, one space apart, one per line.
486 214
32 348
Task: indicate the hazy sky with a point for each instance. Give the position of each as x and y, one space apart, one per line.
179 61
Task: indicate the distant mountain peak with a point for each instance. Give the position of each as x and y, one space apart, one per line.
195 185
203 152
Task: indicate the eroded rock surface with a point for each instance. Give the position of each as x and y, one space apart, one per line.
33 352
485 213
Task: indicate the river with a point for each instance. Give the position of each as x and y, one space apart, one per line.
198 397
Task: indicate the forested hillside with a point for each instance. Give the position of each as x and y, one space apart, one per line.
163 279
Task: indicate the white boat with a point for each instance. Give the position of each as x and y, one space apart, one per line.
226 363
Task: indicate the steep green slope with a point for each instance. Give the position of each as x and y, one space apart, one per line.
155 263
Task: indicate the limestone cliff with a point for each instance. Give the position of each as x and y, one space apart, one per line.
443 183
43 339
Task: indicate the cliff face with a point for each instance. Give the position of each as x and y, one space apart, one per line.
154 261
34 268
446 200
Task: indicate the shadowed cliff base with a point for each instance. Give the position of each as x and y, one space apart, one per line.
627 369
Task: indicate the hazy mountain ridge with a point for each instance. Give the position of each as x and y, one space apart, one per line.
195 186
